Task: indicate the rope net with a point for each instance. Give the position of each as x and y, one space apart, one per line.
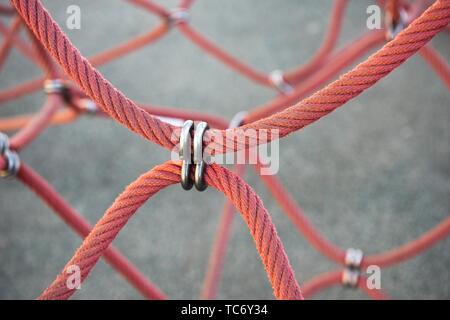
75 87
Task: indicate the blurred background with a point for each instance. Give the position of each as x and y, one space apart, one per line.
372 175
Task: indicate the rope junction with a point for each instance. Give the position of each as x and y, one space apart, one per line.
75 87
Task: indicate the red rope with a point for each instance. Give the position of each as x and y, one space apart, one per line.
354 82
79 224
46 36
291 119
137 193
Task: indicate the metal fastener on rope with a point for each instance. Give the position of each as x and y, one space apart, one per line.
4 143
393 28
353 258
199 179
277 79
237 120
178 15
54 86
89 106
185 154
351 273
350 277
11 157
12 164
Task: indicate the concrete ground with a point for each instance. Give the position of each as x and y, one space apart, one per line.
373 175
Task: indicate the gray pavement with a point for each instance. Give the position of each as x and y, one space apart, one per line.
374 174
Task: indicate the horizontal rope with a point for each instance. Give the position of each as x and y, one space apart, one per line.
250 206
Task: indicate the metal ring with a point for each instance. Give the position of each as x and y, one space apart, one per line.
277 79
54 86
4 143
350 277
237 120
353 258
185 154
393 29
199 179
89 106
12 164
178 15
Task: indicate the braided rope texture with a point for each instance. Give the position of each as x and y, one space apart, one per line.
243 197
287 121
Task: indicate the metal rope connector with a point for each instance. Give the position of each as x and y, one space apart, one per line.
4 143
54 86
277 79
177 16
350 278
351 273
237 120
11 157
197 159
89 106
393 28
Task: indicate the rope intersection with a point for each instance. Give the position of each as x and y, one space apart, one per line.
74 87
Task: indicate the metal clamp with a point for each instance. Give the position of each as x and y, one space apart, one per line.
55 86
178 15
199 179
351 273
89 106
393 28
353 258
185 154
237 120
350 277
277 79
11 157
4 143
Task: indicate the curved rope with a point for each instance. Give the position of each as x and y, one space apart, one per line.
80 225
126 112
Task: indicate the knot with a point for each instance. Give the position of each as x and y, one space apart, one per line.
197 157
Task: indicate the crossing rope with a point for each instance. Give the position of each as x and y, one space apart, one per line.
75 87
